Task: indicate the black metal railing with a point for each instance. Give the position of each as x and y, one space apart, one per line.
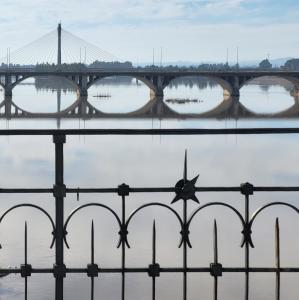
185 190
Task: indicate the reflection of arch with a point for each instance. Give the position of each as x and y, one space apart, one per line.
155 107
38 208
18 110
292 111
84 206
225 109
81 107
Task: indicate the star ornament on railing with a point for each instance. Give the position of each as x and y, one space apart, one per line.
185 189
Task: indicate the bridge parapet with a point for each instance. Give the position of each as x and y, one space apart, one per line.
230 81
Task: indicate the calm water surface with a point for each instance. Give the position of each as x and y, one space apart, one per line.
107 161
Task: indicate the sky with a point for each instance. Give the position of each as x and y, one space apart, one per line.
197 31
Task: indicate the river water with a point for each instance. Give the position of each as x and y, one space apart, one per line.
151 161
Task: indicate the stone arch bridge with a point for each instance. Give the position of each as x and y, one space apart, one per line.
156 80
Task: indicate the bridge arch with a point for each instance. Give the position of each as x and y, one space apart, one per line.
19 80
143 79
291 79
226 86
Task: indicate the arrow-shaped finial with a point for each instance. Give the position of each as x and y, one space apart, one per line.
185 189
185 167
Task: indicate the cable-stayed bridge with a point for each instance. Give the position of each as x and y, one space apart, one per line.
57 47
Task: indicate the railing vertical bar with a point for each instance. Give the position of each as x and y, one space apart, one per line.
215 242
59 193
215 233
185 212
26 259
92 288
26 244
247 262
123 250
92 242
26 288
154 243
92 259
277 258
154 288
154 261
185 253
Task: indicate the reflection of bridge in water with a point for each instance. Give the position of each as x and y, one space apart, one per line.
230 107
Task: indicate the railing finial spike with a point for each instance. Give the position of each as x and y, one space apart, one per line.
154 242
185 166
215 233
26 241
92 241
277 243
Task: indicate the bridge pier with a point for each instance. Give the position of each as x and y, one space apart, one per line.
7 106
83 86
8 86
156 93
82 92
235 87
296 91
82 108
8 92
235 93
296 98
157 87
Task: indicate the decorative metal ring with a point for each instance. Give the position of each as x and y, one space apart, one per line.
258 211
84 206
154 204
216 204
38 208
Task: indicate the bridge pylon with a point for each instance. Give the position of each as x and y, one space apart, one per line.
59 45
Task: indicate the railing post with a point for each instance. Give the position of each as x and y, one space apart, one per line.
247 190
123 191
59 192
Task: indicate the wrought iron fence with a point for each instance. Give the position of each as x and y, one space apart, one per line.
185 190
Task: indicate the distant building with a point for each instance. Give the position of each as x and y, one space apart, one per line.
265 65
292 64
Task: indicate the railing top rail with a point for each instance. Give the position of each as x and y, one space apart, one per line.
62 71
111 190
188 131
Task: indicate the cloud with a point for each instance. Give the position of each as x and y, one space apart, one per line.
131 28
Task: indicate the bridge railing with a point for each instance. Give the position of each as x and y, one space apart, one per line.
184 191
